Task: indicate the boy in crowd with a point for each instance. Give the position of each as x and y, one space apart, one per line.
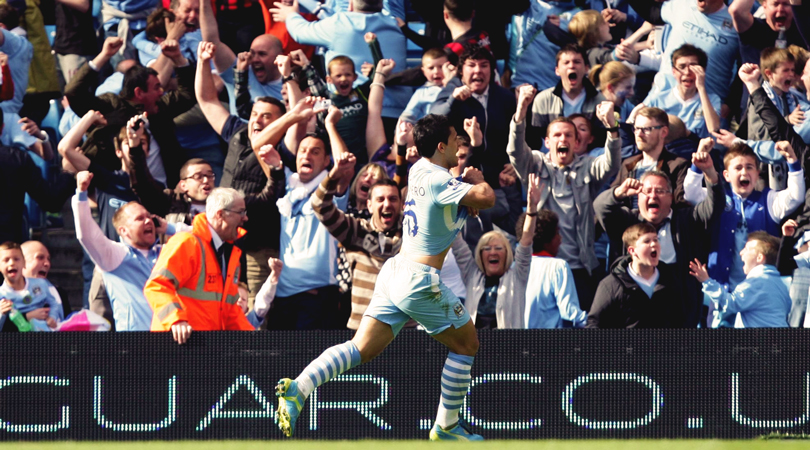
30 296
551 296
689 99
777 66
573 94
762 299
636 294
423 98
351 101
747 209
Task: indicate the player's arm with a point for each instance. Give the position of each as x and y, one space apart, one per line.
481 196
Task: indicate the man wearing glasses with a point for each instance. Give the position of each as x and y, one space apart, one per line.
194 284
651 128
682 230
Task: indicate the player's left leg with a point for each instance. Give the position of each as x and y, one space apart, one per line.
463 345
377 329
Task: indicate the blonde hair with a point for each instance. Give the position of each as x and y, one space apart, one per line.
610 74
585 27
379 173
484 241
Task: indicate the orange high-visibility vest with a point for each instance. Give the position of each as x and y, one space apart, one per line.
187 285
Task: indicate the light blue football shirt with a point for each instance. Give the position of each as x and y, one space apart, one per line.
432 217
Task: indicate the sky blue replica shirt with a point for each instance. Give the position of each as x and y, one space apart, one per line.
531 54
762 299
432 217
690 111
713 33
37 293
149 51
551 295
307 249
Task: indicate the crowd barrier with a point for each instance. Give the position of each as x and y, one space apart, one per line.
527 384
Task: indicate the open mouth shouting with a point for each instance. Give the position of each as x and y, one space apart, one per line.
12 272
780 21
387 217
563 152
653 207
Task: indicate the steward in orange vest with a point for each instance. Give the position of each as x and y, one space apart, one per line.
187 284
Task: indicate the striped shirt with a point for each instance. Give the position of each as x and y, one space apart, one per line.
367 248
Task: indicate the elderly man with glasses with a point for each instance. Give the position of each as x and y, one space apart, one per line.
651 128
683 230
194 284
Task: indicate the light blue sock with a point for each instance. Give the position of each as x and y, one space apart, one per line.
332 362
455 382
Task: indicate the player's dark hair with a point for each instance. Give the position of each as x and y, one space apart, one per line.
429 131
9 16
690 50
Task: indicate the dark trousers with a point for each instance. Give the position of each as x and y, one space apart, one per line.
586 287
311 310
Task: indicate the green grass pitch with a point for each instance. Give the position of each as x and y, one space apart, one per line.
753 444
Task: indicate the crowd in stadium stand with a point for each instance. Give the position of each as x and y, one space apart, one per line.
243 164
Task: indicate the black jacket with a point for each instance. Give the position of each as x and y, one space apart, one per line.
18 176
621 303
690 237
494 122
118 110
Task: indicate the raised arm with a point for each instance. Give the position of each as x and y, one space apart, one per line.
223 55
345 228
295 134
610 211
741 16
607 164
273 133
206 93
68 146
149 191
169 58
532 199
709 114
702 163
787 200
107 254
340 152
81 91
375 133
520 155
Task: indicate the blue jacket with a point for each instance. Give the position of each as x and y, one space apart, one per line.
757 218
762 299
